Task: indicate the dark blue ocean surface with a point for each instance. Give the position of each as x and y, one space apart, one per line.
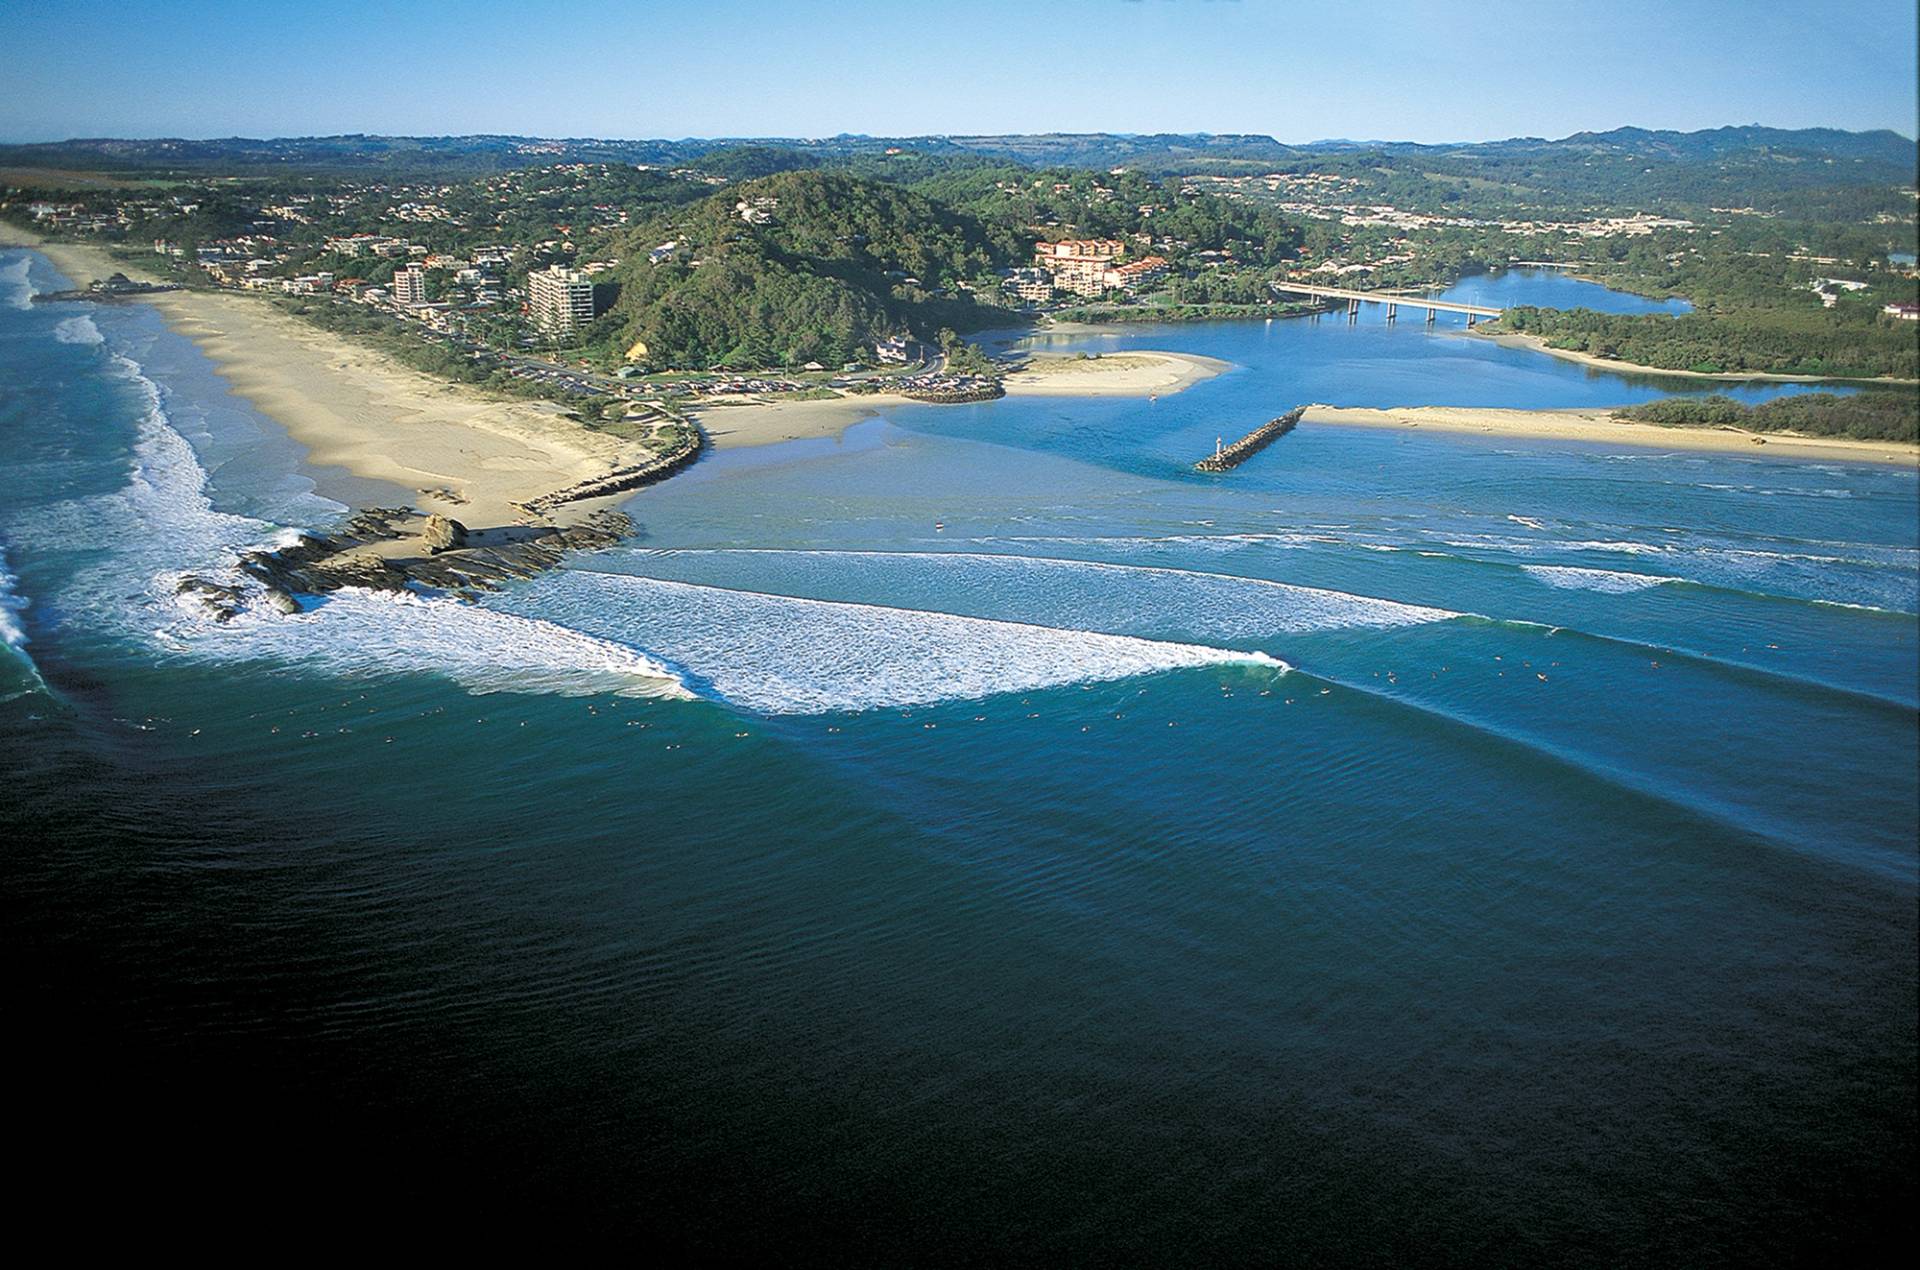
981 837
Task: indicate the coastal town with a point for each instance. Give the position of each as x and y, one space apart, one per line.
515 280
654 624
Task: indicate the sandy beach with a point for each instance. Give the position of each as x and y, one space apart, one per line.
1136 373
749 422
732 425
1601 426
473 457
454 450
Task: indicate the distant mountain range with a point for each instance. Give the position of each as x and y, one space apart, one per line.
1159 151
1813 173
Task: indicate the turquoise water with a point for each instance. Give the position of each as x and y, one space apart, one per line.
982 833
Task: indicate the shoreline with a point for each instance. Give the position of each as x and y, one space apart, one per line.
1538 344
1133 373
732 425
1599 425
449 448
477 459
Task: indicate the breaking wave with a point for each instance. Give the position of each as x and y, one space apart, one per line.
78 330
164 528
359 633
778 654
12 633
15 286
1147 601
1606 581
1865 574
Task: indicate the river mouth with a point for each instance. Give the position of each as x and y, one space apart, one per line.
984 805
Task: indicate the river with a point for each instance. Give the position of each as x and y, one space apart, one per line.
1405 848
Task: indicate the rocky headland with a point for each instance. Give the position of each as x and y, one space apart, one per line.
398 549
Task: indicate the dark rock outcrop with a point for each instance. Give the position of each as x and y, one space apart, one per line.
223 603
317 564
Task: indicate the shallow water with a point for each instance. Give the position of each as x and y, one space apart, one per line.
983 831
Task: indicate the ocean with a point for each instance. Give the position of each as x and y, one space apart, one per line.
981 837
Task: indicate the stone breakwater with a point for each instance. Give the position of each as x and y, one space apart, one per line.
621 479
1232 456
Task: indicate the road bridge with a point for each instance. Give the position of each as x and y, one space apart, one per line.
1393 301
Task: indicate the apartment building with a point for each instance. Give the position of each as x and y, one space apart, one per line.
1079 265
410 286
559 299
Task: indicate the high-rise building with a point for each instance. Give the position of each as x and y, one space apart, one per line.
560 299
410 285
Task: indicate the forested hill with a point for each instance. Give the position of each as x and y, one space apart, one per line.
1607 166
1881 146
798 267
813 265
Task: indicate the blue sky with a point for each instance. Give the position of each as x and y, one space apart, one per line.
1421 70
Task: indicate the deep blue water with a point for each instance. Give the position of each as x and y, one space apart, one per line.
1406 849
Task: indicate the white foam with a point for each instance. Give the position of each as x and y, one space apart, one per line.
161 527
779 654
78 330
1149 601
15 285
1606 581
1877 575
1206 542
12 632
358 633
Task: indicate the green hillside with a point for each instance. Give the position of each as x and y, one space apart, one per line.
802 266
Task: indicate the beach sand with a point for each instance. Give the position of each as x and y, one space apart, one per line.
1599 425
453 449
472 456
731 425
1136 373
738 424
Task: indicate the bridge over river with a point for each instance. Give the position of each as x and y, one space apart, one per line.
1393 302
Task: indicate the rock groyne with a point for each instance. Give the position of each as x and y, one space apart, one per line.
1226 458
621 479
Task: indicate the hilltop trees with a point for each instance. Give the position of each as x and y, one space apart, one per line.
803 266
1773 341
1868 416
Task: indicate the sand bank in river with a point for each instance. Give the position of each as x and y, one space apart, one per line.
1600 425
733 424
1135 373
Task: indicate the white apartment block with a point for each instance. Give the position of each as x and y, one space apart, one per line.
560 299
410 286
